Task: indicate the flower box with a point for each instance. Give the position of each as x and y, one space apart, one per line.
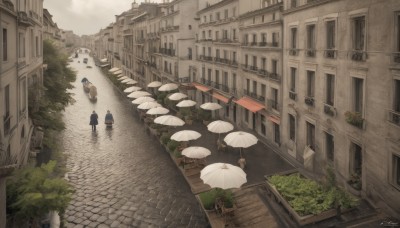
304 219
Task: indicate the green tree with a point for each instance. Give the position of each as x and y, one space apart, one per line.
34 191
45 103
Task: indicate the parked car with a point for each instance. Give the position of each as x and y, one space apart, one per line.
85 60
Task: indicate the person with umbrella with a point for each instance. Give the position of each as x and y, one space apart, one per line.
93 120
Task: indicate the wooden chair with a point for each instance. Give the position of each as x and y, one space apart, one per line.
226 213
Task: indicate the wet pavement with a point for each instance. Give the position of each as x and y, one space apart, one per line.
122 177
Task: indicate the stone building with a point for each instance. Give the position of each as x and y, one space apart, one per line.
341 93
20 68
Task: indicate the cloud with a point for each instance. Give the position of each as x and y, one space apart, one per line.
86 16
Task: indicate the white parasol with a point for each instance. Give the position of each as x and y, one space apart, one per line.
169 120
157 111
131 82
197 152
154 84
138 94
132 89
168 87
240 139
222 175
185 135
148 105
186 103
140 100
211 106
177 96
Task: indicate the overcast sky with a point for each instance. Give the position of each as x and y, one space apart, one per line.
86 17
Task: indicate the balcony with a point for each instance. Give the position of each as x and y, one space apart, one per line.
294 52
329 110
274 77
234 63
253 68
310 52
309 101
245 43
359 56
225 88
23 19
170 28
263 73
396 57
253 44
246 92
275 44
245 66
330 54
292 95
394 117
262 44
208 82
165 51
355 119
140 40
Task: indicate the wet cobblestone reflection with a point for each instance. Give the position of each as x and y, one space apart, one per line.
122 177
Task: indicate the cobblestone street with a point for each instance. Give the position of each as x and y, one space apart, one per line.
121 176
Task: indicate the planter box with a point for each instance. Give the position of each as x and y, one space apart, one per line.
301 220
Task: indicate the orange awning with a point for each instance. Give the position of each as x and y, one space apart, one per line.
201 87
275 119
220 97
250 104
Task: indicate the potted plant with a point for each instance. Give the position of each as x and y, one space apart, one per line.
205 116
354 118
208 199
355 181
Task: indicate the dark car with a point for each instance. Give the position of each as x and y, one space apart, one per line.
85 60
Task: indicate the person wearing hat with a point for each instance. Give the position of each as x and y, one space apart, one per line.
109 120
93 120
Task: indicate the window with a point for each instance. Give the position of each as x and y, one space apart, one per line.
225 79
234 81
262 18
7 101
246 60
274 98
209 75
293 38
246 115
203 72
217 54
293 3
234 56
225 54
246 39
398 32
211 17
396 170
4 46
209 51
218 17
234 12
330 89
292 128
216 35
23 90
359 33
247 85
330 35
329 147
293 79
263 90
254 62
310 83
263 128
310 45
254 87
277 137
275 39
396 96
217 77
21 39
226 14
234 34
263 63
37 46
310 135
274 66
358 95
355 159
209 34
204 19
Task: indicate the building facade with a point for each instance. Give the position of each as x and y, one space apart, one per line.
20 68
341 93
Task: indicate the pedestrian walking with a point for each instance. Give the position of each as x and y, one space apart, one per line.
109 119
93 120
